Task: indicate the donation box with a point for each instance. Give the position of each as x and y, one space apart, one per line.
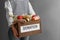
28 28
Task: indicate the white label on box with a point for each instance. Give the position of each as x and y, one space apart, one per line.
28 28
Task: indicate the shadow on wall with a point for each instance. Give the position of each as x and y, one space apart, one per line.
49 11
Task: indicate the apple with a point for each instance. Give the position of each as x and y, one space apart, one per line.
35 17
19 17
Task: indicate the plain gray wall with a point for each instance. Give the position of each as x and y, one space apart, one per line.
49 11
3 24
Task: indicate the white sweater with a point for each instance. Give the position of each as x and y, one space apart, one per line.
17 7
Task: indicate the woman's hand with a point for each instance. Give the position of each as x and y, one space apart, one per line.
15 33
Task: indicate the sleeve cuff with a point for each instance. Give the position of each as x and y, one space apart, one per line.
31 10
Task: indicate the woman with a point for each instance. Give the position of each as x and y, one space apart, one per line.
17 7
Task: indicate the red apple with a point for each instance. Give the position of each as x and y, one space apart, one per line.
35 17
19 17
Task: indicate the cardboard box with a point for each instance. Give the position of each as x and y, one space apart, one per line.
28 28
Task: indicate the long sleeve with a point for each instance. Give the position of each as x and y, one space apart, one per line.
7 15
8 12
31 10
19 8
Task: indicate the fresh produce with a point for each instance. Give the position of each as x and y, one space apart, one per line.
19 17
35 17
15 17
26 18
22 20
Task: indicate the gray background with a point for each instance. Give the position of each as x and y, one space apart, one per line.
49 11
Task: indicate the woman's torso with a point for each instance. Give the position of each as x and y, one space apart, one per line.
19 6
